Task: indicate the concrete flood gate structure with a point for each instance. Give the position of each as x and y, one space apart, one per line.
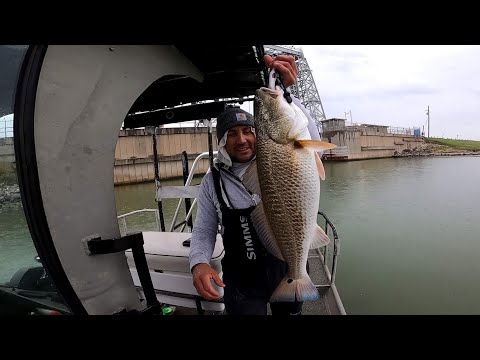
366 141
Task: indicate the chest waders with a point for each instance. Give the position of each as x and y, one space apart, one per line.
250 273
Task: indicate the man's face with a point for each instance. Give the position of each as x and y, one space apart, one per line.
240 143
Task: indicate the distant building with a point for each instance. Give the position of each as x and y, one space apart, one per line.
332 125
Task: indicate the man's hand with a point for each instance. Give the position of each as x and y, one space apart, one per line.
285 65
202 276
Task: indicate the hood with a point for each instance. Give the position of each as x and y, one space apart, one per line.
223 159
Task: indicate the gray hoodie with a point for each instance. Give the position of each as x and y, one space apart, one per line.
209 216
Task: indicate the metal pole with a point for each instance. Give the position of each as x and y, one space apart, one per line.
210 144
157 178
428 120
185 178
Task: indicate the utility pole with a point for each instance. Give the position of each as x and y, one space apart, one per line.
428 120
349 112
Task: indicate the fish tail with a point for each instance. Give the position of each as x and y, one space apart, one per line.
300 290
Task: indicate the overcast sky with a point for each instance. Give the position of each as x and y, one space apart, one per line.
393 85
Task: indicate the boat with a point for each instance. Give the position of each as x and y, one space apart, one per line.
90 263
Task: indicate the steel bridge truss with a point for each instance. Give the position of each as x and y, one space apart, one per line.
305 88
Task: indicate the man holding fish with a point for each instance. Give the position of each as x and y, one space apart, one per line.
267 217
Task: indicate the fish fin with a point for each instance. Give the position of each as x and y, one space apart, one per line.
264 231
300 290
320 168
315 144
319 238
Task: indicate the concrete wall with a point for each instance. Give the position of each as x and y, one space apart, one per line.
7 154
134 150
371 145
134 153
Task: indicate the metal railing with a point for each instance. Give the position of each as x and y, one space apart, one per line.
122 219
173 226
322 252
380 129
403 131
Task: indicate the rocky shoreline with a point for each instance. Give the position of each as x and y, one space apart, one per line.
10 195
434 150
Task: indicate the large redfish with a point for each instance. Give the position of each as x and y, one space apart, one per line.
287 177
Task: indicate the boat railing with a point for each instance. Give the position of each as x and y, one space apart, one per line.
181 192
123 219
324 253
191 173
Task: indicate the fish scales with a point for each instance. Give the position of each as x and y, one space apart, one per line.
288 183
286 175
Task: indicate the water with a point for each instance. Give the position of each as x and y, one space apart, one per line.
16 247
408 232
142 196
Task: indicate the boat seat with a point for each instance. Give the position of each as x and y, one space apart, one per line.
169 266
164 252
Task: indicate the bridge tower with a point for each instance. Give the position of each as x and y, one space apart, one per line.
305 89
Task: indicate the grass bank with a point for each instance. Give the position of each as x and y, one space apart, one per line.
466 145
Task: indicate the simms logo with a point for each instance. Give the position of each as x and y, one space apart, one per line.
247 238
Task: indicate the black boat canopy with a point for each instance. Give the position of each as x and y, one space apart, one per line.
230 72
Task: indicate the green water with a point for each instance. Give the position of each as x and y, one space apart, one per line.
142 196
16 247
409 233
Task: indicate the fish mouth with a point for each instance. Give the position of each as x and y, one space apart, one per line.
265 94
285 116
264 91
